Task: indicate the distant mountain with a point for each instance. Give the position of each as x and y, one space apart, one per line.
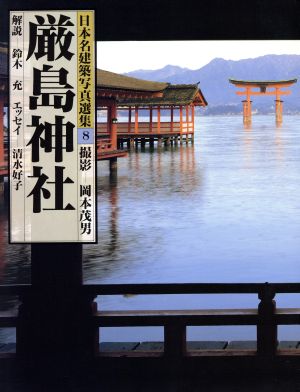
165 73
219 92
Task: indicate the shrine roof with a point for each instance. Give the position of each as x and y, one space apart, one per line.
111 80
179 94
176 94
262 82
105 79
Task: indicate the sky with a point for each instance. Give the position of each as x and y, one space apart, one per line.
126 56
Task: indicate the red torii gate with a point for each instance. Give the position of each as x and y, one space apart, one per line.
276 86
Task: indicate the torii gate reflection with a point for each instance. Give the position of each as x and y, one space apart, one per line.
263 85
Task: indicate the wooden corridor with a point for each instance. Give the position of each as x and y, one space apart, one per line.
162 132
138 111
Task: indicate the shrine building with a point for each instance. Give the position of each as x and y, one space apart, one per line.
154 112
140 111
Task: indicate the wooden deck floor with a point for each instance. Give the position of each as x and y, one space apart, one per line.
107 154
62 376
192 346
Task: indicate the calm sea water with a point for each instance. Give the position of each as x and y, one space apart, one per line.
224 210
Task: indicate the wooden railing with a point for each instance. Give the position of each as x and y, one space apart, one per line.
266 317
103 145
147 128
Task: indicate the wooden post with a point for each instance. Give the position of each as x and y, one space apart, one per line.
187 124
150 119
113 164
187 117
244 112
113 135
151 140
278 107
278 111
108 121
167 141
131 143
136 119
172 118
113 168
249 106
266 328
247 112
174 340
55 319
159 142
249 109
158 119
193 123
180 129
129 119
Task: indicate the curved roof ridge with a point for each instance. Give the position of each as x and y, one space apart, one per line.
113 80
235 81
181 85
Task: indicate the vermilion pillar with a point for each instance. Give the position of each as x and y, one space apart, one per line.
151 119
180 116
136 118
193 118
158 119
172 118
247 109
187 117
129 119
113 125
278 106
278 110
193 123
